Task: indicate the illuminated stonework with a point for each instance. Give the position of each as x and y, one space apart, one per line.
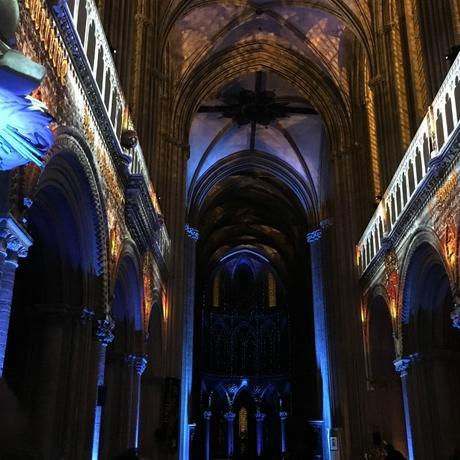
25 133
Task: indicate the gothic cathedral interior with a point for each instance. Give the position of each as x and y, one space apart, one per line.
229 229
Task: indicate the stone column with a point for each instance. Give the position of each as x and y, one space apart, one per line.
14 243
401 366
104 336
187 347
207 434
283 417
191 431
322 333
137 364
260 417
230 417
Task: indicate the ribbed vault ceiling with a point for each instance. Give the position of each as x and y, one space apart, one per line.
298 56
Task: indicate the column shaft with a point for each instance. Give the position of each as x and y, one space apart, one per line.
9 265
321 324
230 417
260 433
187 346
207 435
283 417
104 335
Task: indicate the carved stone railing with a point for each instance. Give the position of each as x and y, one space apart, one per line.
84 37
432 140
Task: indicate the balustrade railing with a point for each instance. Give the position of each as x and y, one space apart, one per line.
431 140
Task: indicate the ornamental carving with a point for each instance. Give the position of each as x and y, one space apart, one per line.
392 281
115 242
138 362
148 289
14 238
110 177
314 236
88 126
104 330
192 232
401 365
46 30
450 242
445 204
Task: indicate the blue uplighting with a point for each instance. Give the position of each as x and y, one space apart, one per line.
25 135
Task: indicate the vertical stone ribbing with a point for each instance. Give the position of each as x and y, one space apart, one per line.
187 348
9 265
14 243
321 328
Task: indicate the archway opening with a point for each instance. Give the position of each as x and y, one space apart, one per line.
433 347
121 407
56 288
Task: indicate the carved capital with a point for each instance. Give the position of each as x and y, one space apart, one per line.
192 232
14 238
401 365
229 416
192 430
314 236
283 415
207 415
139 362
104 330
260 416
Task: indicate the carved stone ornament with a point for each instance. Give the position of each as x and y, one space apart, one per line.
283 415
104 330
260 416
192 232
401 365
229 416
14 237
314 236
139 362
391 262
450 241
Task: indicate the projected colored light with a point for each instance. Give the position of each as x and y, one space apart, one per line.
25 135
